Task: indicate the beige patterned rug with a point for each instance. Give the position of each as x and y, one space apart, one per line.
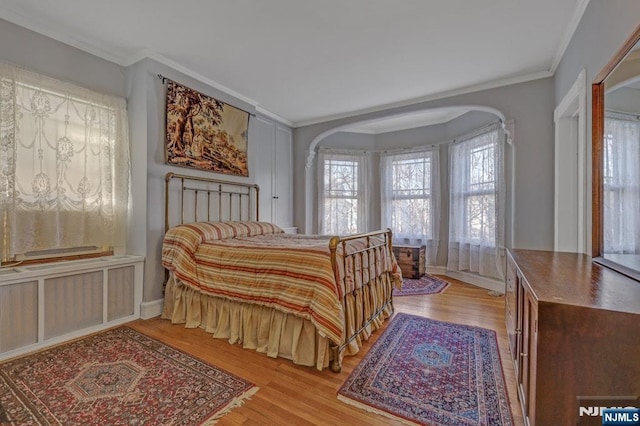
117 377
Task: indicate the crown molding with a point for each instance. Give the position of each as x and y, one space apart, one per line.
147 54
102 52
57 34
441 95
568 34
274 116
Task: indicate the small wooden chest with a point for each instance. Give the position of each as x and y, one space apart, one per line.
411 260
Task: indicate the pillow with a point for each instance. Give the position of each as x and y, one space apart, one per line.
181 242
221 230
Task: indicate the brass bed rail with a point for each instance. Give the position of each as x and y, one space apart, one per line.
220 189
367 269
238 197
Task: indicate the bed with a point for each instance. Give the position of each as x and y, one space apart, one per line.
308 298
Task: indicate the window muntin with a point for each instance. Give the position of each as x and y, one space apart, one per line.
621 184
341 196
411 196
479 193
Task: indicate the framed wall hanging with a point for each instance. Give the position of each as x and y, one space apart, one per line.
204 133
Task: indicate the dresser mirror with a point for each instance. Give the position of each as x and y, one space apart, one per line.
616 161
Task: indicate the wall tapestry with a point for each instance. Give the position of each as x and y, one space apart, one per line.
204 133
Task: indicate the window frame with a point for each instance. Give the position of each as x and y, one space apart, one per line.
612 187
357 162
426 194
470 193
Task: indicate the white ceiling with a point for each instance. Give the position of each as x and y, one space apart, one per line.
307 61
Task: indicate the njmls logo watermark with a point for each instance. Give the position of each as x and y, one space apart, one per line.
608 411
621 416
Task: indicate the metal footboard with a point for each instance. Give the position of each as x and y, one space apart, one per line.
364 262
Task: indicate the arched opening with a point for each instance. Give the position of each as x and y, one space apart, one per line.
422 118
393 143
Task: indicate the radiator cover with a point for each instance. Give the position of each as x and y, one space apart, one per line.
44 305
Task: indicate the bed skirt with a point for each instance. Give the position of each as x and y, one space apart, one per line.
268 330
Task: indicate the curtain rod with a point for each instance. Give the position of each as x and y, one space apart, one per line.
480 131
622 113
417 148
164 80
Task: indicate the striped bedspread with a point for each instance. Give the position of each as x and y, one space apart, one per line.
258 263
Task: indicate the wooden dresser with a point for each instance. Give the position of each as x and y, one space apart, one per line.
574 331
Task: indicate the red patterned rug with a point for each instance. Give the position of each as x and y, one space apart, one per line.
118 377
432 372
427 284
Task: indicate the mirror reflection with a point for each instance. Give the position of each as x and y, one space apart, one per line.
621 165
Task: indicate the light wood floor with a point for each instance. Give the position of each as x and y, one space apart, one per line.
294 395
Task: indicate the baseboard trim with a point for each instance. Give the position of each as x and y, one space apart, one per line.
151 309
436 270
478 281
473 279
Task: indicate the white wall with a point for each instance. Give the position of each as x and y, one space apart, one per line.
23 47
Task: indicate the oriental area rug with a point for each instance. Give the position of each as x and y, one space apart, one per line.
431 372
117 377
427 284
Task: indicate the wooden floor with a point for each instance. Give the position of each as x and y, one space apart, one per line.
295 395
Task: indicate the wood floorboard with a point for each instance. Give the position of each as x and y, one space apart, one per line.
295 395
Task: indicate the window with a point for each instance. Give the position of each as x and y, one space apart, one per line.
476 203
479 193
342 192
621 201
410 198
64 156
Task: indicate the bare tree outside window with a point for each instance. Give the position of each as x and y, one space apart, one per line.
342 191
341 197
411 197
476 203
480 199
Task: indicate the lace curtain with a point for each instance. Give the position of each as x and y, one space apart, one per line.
410 198
343 193
64 164
621 185
476 203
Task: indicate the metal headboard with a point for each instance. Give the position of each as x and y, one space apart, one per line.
210 199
